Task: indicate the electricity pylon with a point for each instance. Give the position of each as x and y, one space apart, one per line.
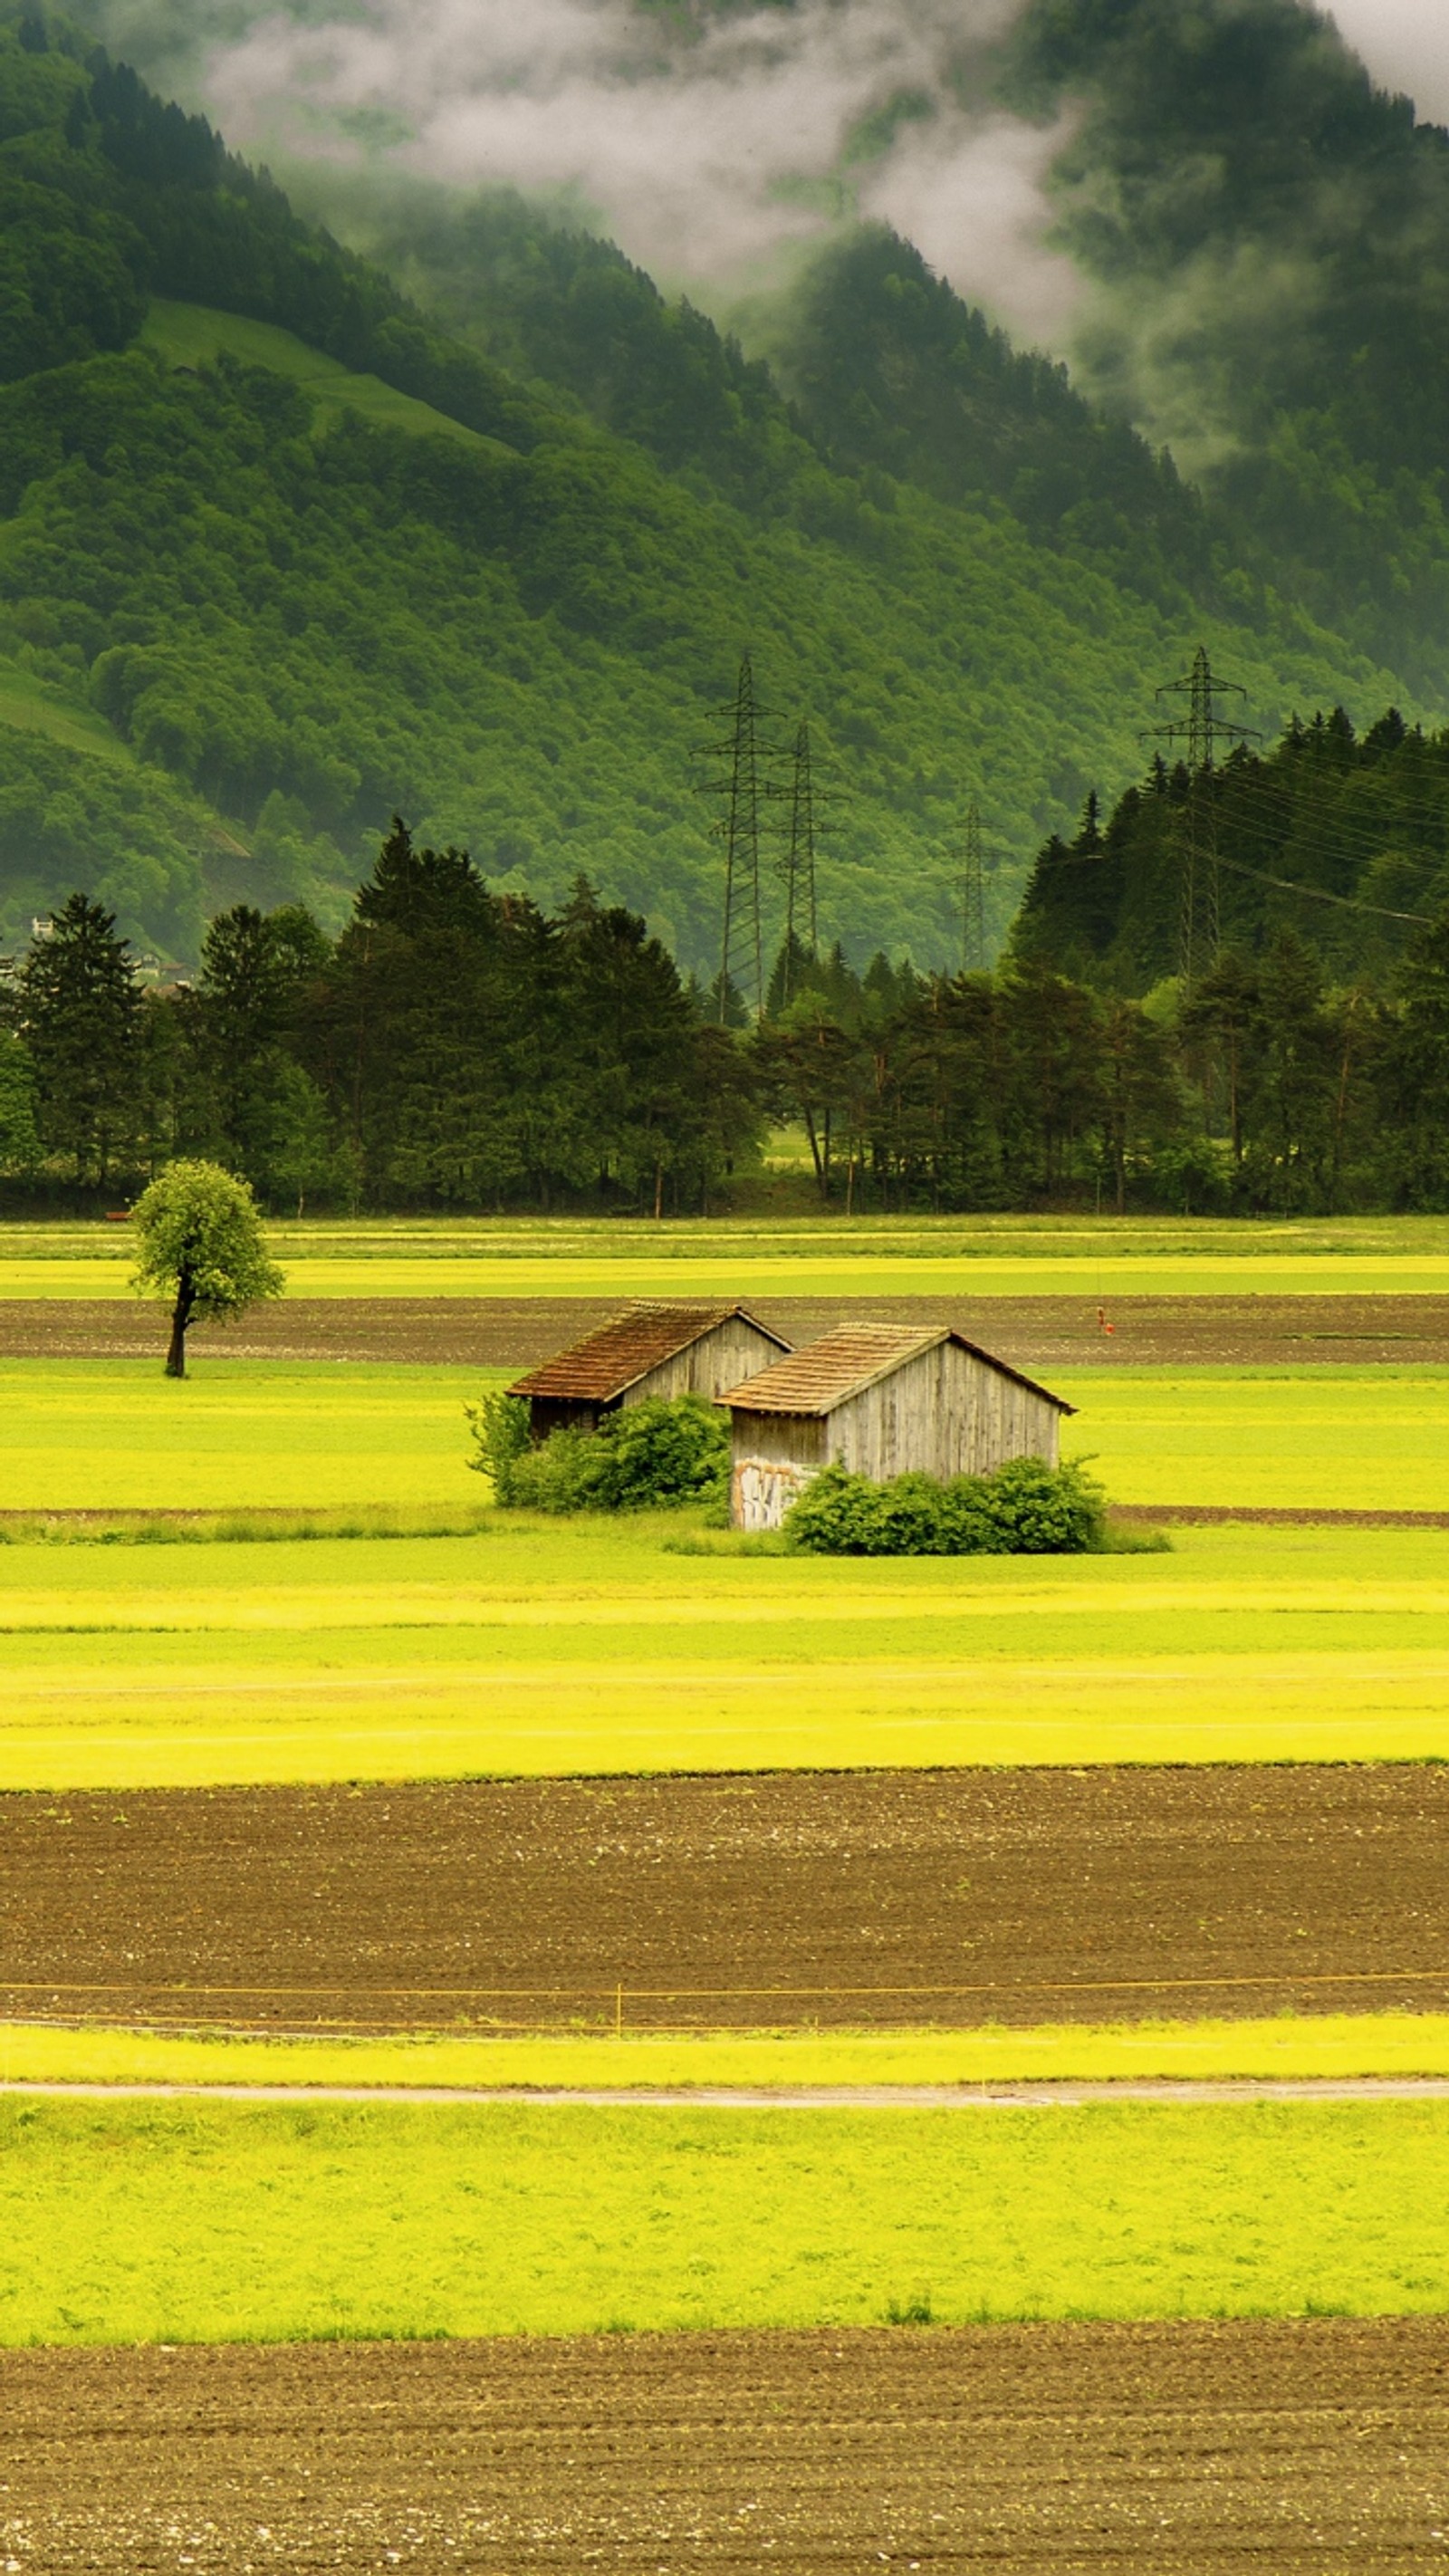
1199 927
741 958
973 897
798 793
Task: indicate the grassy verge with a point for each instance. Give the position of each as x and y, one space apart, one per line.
267 1526
1336 2046
221 2222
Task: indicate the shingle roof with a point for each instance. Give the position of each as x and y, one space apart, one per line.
845 1362
607 1363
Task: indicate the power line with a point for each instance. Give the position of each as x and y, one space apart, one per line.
1340 837
1239 867
1199 922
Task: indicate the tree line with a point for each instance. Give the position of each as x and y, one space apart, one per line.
452 1048
458 1048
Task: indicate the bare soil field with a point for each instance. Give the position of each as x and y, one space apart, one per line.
1313 2448
499 1332
873 1899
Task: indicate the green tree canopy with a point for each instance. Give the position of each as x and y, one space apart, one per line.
201 1244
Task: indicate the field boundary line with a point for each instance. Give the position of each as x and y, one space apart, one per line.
613 1991
967 2095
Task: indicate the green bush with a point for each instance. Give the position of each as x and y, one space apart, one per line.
499 1424
660 1454
1022 1509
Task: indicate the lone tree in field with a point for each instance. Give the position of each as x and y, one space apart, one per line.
201 1245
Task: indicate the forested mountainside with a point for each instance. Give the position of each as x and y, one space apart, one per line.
1339 843
279 555
1267 238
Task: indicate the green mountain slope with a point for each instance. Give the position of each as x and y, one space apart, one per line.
228 531
1268 239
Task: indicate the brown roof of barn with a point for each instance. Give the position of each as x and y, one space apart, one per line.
850 1359
607 1363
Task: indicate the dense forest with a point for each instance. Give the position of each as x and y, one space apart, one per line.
454 1047
497 567
1340 842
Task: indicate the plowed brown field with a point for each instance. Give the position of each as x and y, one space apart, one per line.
1318 2448
511 1332
776 1900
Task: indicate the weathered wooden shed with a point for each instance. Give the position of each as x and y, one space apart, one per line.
882 1399
649 1350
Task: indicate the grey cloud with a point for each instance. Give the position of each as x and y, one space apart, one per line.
714 149
1405 44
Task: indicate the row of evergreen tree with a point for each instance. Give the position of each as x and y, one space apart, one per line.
453 1048
456 1048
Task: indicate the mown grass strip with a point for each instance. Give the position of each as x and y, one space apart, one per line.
164 1712
316 1436
185 2222
670 1266
1327 2047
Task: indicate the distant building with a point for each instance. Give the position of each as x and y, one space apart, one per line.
650 1350
881 1399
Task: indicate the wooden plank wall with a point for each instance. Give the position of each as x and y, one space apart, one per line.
943 1414
720 1359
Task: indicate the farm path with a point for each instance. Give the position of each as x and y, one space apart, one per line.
1168 2450
1167 2092
1032 1332
784 1900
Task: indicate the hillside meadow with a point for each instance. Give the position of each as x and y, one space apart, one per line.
214 2223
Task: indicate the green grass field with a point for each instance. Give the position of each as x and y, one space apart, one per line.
113 1435
975 1256
33 706
574 1648
191 335
215 2223
1289 2048
595 1646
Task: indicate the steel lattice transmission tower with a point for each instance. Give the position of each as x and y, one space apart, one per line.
973 897
1202 730
737 785
798 793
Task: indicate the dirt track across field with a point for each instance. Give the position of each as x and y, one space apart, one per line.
1031 1332
1308 2448
871 1899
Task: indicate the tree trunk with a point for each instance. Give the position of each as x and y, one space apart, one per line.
181 1314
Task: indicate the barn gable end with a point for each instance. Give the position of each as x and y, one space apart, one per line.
649 1350
882 1400
945 1412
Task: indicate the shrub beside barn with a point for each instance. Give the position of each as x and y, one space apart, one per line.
883 1400
649 1351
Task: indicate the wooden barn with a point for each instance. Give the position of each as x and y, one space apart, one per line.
881 1399
649 1350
